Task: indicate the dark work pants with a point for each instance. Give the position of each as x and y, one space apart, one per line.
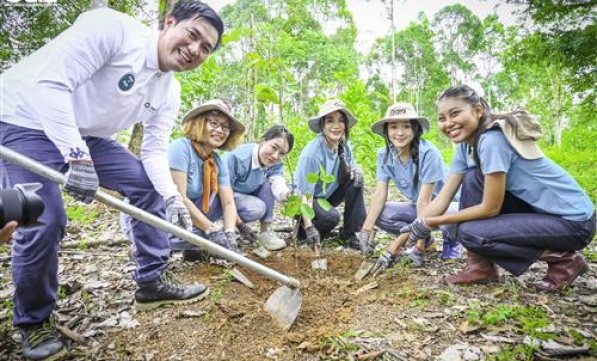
354 211
516 237
35 250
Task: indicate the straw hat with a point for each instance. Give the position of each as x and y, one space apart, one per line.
218 105
329 107
400 111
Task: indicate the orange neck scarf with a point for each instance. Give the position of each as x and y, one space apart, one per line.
210 174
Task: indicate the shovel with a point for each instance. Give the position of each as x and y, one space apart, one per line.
283 305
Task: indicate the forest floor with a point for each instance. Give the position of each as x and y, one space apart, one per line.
404 314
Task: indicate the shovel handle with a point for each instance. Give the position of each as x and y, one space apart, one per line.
103 197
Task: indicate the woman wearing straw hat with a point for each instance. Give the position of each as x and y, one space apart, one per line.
416 167
257 176
200 176
331 151
517 206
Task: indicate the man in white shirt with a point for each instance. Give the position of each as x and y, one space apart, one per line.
60 106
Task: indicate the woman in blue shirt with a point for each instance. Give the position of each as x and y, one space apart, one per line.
516 206
331 151
257 175
418 171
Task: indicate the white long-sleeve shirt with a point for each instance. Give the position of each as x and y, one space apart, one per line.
99 76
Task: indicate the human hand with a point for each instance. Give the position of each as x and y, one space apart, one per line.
313 237
418 230
7 230
367 242
357 176
385 261
81 180
232 241
178 212
218 237
247 233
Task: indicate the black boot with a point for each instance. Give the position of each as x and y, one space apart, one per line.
41 341
167 291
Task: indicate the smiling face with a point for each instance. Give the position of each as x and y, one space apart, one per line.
273 151
334 126
400 133
458 120
186 44
217 130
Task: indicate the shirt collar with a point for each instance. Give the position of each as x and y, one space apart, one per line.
255 158
152 52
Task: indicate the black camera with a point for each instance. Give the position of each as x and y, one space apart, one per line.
21 204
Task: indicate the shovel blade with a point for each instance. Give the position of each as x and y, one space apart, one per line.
240 277
363 270
284 305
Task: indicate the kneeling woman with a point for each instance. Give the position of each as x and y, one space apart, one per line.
257 176
516 205
418 171
331 151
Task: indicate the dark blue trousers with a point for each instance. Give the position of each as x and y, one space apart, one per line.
35 250
516 237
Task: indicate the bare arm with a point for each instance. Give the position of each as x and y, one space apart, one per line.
425 194
441 203
376 205
493 199
197 217
227 199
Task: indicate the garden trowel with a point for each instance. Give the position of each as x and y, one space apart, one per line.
283 305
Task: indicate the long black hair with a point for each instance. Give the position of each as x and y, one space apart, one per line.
344 168
414 146
470 96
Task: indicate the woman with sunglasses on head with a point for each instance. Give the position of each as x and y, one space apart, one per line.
332 152
416 167
257 178
517 206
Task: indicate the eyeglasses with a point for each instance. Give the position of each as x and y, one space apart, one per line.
214 124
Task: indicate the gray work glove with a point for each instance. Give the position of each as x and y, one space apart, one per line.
219 237
385 261
416 258
313 236
367 242
232 241
247 233
81 180
357 176
418 230
178 212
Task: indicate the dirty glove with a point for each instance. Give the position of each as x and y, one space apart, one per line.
218 237
313 236
81 180
247 233
418 230
178 212
385 261
367 242
232 241
357 176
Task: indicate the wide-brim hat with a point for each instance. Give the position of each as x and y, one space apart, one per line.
219 105
400 111
329 107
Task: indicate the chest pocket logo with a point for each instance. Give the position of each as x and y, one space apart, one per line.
126 82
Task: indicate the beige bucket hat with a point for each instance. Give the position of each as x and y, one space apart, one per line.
400 111
328 107
219 105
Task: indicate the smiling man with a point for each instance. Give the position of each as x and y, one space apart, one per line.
61 106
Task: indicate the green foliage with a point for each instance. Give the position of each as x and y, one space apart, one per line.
296 207
80 214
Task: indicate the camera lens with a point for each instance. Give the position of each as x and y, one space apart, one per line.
21 204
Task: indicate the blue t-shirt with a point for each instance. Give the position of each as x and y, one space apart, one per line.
431 170
182 157
541 183
244 178
316 154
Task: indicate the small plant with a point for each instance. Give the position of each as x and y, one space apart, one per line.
295 206
217 291
80 214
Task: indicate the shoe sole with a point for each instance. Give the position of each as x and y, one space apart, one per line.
581 272
58 355
153 305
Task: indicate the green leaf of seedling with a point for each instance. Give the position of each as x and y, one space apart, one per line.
293 206
325 205
307 211
312 178
328 178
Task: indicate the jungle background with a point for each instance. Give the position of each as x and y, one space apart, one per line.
280 60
